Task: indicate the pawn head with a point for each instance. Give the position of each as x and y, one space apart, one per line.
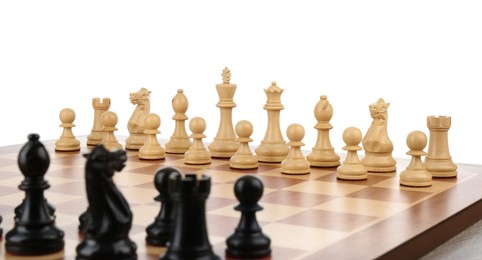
352 136
67 115
109 119
152 121
197 125
248 189
295 132
416 141
244 128
161 179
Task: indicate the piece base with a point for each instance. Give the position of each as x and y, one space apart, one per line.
324 164
243 166
352 177
293 172
416 183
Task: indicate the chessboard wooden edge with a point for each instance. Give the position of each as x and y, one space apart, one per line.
450 223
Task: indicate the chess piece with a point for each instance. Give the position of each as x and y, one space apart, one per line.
197 153
438 160
273 148
35 232
378 147
416 175
67 141
179 142
248 240
295 162
352 168
244 158
107 235
159 232
109 120
152 149
323 154
189 239
224 144
97 134
136 124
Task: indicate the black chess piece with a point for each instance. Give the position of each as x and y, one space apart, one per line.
35 232
189 239
248 240
159 232
107 234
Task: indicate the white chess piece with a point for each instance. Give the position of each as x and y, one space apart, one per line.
295 162
152 149
244 158
352 168
179 142
109 121
197 153
67 141
416 175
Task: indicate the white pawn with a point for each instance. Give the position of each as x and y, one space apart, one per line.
152 149
109 121
295 162
352 168
416 175
243 158
67 141
197 153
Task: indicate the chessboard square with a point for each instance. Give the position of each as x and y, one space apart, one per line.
391 195
278 182
300 237
220 176
54 197
11 156
72 159
74 207
75 173
314 173
277 253
74 188
132 179
217 202
294 198
437 186
270 212
262 167
144 215
330 220
226 190
14 182
224 225
327 188
9 190
366 207
134 166
136 195
63 220
371 180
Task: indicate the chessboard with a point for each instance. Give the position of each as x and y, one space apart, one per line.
313 216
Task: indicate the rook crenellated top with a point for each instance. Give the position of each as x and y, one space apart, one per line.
189 186
440 122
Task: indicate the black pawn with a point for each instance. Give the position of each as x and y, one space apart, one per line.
189 239
248 241
34 232
159 232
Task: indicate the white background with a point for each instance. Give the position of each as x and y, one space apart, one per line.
424 57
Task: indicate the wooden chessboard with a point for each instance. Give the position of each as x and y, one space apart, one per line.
311 216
